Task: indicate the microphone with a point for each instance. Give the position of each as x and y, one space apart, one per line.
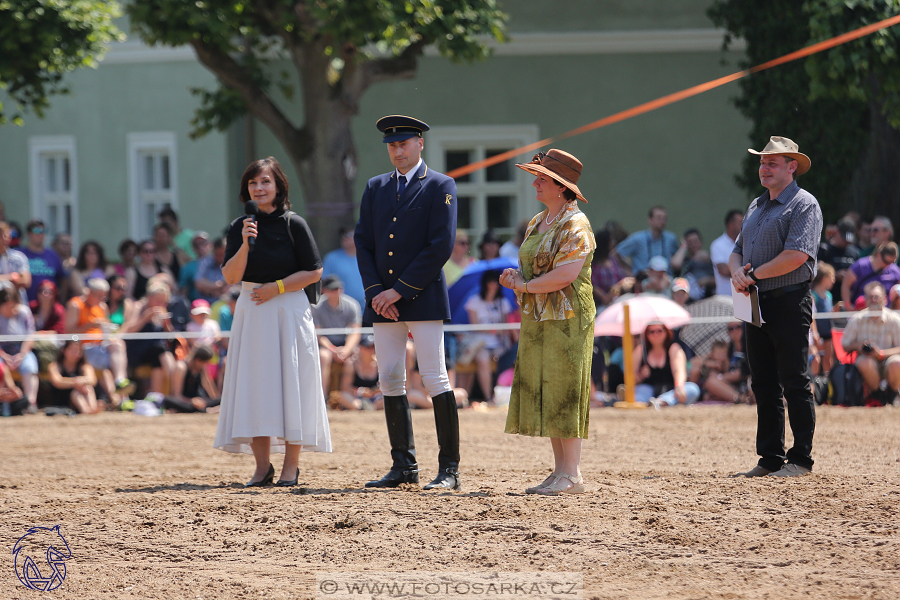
251 210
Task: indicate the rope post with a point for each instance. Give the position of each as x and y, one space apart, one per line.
627 361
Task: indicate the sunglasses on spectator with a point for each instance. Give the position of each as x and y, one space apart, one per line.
147 250
38 230
462 242
655 331
121 288
735 327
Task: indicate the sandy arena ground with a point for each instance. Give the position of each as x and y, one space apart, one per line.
150 510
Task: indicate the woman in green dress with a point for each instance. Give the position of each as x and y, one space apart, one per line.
551 388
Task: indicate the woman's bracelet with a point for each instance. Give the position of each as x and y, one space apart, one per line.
525 285
280 286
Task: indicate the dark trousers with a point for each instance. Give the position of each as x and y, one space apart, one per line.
778 355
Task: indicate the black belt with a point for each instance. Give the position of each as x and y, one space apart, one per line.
779 292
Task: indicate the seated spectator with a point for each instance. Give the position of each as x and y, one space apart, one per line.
341 262
657 280
336 310
16 319
822 301
119 304
152 316
62 245
202 248
14 266
49 314
178 304
606 270
209 281
894 297
43 262
204 324
838 250
641 246
192 389
359 381
166 254
415 389
128 251
91 263
661 369
718 374
146 267
875 334
881 231
181 236
489 248
459 258
877 267
681 290
11 397
488 307
694 264
72 381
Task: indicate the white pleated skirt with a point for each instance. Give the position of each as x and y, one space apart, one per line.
273 381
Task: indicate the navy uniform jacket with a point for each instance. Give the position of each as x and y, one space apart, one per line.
404 244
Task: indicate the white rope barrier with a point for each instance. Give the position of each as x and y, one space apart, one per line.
170 335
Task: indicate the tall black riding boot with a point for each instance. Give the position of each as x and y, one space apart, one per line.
403 446
446 421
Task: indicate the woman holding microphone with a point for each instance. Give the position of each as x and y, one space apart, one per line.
272 394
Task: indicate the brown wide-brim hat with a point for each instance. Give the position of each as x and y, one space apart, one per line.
564 168
786 147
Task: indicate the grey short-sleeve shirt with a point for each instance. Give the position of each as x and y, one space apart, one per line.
792 221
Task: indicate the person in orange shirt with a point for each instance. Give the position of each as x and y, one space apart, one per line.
88 313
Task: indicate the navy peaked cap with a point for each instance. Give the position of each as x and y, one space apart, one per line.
397 128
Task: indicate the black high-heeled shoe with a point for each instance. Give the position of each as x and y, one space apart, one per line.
288 482
267 480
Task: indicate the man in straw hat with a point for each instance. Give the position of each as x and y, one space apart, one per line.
776 251
405 234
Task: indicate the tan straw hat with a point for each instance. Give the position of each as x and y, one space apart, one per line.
786 147
561 166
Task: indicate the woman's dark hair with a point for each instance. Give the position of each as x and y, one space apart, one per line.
126 243
486 278
602 237
8 293
101 256
203 353
281 182
62 353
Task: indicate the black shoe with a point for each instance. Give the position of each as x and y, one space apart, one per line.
267 480
395 478
445 480
288 482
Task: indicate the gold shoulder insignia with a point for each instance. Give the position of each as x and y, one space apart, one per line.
449 197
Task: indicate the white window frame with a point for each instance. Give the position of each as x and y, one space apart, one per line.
478 139
139 143
39 147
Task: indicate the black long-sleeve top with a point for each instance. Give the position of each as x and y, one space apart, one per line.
273 257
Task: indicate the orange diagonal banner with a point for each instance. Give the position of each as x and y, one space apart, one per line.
677 96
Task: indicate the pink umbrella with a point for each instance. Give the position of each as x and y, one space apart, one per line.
643 309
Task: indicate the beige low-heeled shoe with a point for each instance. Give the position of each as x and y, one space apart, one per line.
551 479
564 484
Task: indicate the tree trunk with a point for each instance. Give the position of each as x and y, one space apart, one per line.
875 186
328 167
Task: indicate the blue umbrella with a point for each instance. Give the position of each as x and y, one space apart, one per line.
469 283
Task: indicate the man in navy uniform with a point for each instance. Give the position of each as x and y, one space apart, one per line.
405 234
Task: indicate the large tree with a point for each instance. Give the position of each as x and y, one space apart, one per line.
41 40
338 47
841 106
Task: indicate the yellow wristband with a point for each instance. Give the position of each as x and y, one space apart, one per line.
280 286
525 285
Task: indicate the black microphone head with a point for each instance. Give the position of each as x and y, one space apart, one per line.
251 208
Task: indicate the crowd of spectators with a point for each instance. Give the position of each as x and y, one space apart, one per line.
172 283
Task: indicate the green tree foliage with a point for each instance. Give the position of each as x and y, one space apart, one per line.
41 40
832 130
338 49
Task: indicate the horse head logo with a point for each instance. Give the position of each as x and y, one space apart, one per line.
45 543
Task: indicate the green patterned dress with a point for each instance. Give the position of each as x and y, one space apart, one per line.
551 388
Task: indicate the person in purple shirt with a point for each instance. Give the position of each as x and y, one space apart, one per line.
44 263
880 266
